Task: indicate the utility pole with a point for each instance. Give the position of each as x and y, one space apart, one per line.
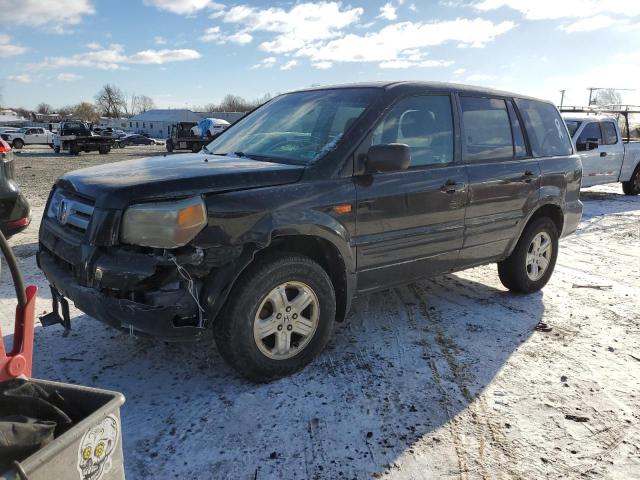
562 97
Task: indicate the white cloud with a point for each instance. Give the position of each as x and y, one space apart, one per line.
183 7
214 34
413 7
459 71
304 23
158 40
114 57
55 15
399 64
7 49
589 24
388 11
241 38
93 46
553 9
289 65
268 62
395 40
322 65
23 78
68 77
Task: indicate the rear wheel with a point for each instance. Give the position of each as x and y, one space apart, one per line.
104 150
278 318
531 263
56 149
632 187
196 148
18 143
169 146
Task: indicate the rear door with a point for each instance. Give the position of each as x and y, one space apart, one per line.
503 177
611 152
410 223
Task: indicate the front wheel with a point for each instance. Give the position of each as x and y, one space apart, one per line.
278 318
632 187
18 143
531 263
169 146
56 149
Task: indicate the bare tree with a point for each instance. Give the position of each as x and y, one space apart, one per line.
86 111
235 103
608 96
111 102
44 108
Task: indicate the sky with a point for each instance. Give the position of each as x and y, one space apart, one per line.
193 52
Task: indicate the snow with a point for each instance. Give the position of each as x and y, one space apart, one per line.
444 378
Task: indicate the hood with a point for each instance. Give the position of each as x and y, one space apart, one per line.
116 185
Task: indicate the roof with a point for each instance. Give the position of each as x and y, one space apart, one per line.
166 115
581 117
408 85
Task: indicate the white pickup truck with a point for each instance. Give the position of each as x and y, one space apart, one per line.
29 136
606 158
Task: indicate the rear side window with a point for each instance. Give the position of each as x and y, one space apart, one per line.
425 124
487 129
591 132
610 134
547 131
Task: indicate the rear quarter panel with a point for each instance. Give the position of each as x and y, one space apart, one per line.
631 160
560 185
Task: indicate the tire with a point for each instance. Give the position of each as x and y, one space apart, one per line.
120 145
632 187
73 150
195 148
233 330
515 273
18 143
169 146
56 149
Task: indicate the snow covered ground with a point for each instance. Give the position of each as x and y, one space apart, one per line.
439 379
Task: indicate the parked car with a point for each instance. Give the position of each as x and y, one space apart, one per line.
15 213
134 139
315 197
29 136
606 158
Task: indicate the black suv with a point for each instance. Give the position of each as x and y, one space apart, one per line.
319 195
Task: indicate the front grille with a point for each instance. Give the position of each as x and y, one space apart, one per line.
71 211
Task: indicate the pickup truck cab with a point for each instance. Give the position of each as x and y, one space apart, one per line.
315 197
606 158
29 136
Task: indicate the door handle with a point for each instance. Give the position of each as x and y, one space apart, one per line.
451 186
527 177
603 154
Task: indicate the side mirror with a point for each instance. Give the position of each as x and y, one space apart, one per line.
388 158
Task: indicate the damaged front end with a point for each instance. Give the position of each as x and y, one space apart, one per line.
161 292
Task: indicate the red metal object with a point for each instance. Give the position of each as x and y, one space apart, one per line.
19 360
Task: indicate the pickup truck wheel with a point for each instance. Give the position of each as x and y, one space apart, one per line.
278 318
56 149
531 263
632 187
18 143
169 146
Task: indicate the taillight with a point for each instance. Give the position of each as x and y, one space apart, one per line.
5 151
4 147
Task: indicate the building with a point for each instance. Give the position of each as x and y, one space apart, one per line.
115 123
158 122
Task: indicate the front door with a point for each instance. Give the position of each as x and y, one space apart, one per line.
593 172
410 223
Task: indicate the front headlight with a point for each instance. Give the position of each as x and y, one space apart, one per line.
163 224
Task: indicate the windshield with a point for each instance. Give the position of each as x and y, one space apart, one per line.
297 127
572 126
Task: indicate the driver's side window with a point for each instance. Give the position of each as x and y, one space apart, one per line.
425 124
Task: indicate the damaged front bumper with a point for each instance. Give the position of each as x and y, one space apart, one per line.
166 309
